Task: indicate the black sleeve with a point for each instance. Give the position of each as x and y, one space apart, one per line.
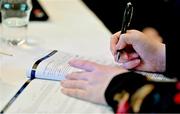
131 92
172 57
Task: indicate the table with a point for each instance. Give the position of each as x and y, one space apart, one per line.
72 28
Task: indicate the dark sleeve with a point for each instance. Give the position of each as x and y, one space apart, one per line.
132 92
169 30
172 58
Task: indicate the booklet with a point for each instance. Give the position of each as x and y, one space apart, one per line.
54 65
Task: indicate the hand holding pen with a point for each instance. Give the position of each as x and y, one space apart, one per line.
125 24
135 49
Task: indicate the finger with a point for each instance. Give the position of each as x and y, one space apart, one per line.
127 57
77 76
74 84
134 37
131 64
77 93
83 64
131 37
132 56
120 55
122 42
113 42
123 57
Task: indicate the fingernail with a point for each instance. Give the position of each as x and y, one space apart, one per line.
67 76
126 56
138 61
62 90
72 61
113 53
62 82
121 64
117 47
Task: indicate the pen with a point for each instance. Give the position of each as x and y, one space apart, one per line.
125 24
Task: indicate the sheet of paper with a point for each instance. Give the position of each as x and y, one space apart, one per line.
43 96
13 69
7 91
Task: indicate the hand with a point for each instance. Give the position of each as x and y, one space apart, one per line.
148 55
90 84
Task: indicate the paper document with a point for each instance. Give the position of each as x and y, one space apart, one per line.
44 96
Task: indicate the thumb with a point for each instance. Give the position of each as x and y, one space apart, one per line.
82 64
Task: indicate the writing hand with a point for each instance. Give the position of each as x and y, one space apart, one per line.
148 55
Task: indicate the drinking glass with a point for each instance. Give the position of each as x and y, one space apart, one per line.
15 16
